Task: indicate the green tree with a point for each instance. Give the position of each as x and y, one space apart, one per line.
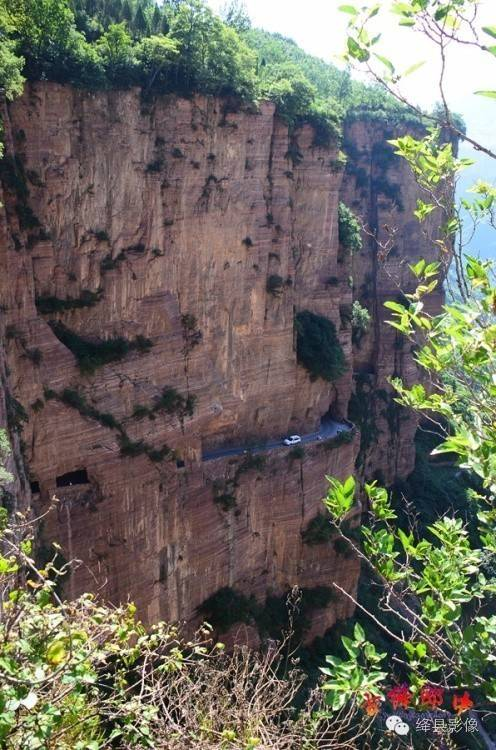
213 57
141 25
155 56
438 585
317 346
360 322
287 86
116 50
11 79
234 14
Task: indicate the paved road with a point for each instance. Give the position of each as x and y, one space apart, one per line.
328 429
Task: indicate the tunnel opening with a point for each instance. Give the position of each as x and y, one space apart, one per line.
35 488
72 477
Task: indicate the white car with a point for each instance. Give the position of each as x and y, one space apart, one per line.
292 440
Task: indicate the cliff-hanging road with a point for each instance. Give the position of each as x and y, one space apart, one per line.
329 429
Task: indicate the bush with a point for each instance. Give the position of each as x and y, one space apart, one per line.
317 346
318 531
360 322
350 232
227 607
83 675
101 235
173 402
275 285
47 304
296 453
76 400
93 354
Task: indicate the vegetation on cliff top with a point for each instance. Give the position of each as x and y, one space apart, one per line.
179 46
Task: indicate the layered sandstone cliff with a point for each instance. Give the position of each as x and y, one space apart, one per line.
193 233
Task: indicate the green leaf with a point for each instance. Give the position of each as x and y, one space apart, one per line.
489 94
395 306
56 652
348 9
359 633
441 12
491 30
413 68
389 65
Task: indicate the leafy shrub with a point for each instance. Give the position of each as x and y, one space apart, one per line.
88 675
251 462
224 493
360 322
317 346
191 333
318 530
275 285
101 235
12 332
93 354
297 453
108 263
131 448
173 402
227 607
155 166
224 490
76 400
350 233
47 304
16 413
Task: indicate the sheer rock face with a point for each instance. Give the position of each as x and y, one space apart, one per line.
181 216
380 189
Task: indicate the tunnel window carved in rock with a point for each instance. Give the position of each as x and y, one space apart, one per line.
72 477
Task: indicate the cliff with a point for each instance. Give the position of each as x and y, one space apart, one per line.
186 235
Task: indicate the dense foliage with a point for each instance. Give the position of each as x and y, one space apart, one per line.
360 322
317 346
179 46
432 551
350 231
334 87
83 675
